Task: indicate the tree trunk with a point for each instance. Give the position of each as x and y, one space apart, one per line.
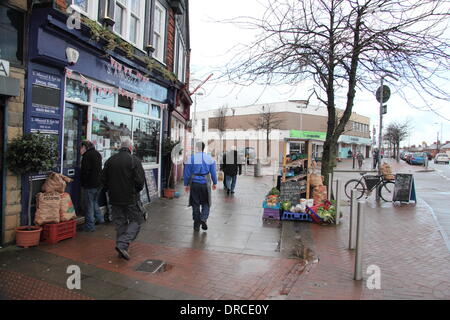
328 158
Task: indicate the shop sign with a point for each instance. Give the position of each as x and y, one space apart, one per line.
43 125
44 109
301 134
4 68
354 140
46 80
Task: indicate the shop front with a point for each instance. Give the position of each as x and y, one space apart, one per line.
102 97
316 147
353 144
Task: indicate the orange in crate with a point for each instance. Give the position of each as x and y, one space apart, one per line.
54 232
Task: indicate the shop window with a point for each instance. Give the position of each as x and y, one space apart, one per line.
141 107
11 35
156 112
105 99
146 139
108 130
76 90
125 103
159 31
82 4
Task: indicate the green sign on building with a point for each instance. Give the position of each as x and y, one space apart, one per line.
301 134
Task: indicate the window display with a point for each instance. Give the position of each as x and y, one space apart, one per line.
104 98
146 139
76 90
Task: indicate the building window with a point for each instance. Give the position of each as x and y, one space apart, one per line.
146 139
11 35
118 17
128 21
203 125
180 58
75 90
159 31
82 4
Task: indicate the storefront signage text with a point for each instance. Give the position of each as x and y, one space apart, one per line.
308 134
46 80
4 68
50 126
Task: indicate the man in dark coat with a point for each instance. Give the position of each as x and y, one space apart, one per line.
231 165
91 166
123 177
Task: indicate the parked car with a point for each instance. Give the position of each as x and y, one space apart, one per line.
429 155
417 158
407 156
441 157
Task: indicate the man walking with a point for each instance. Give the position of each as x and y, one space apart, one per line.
230 167
199 170
91 167
376 158
123 177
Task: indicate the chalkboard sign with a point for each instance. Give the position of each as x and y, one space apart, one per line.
150 191
404 189
292 191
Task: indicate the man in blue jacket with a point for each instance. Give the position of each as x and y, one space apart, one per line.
199 170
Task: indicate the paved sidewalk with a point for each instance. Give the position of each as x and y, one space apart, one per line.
404 241
240 256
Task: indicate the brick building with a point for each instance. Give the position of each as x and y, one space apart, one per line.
98 70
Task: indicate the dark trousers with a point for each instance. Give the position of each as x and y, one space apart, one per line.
128 220
199 202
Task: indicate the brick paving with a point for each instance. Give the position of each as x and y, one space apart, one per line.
237 258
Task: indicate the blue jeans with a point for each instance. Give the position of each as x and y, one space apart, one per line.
93 213
231 182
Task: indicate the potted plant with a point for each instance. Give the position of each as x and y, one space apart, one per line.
168 147
31 153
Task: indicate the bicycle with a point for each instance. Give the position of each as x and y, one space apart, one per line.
367 183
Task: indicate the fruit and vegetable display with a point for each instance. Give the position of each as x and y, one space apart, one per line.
327 214
272 199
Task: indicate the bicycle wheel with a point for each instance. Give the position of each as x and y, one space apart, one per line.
355 184
387 191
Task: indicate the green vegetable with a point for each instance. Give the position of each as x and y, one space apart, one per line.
274 191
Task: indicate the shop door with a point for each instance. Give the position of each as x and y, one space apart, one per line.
2 128
75 120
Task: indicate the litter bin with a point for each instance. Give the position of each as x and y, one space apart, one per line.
257 172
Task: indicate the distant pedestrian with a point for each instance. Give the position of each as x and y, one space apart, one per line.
91 167
123 177
231 166
349 153
360 158
376 158
199 170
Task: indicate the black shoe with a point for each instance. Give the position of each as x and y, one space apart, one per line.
228 192
196 226
123 253
232 192
204 225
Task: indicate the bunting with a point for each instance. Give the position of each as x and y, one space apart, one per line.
127 71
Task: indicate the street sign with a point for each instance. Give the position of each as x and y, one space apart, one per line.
384 109
386 93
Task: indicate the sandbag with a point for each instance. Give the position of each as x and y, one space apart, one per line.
47 208
316 180
66 208
55 182
319 194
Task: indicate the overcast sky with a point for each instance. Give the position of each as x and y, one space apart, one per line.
213 44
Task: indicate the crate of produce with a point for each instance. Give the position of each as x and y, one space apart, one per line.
54 232
271 206
271 214
295 216
312 211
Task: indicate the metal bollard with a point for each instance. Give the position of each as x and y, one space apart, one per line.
359 242
338 197
352 224
330 185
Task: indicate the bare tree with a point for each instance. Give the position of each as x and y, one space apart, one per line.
395 133
221 121
267 121
345 46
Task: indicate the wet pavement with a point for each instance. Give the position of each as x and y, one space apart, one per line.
241 256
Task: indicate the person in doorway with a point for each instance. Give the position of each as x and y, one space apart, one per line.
231 165
349 153
199 170
123 177
360 158
91 167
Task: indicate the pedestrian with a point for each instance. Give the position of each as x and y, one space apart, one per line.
349 153
360 158
376 158
199 170
91 167
230 167
123 177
